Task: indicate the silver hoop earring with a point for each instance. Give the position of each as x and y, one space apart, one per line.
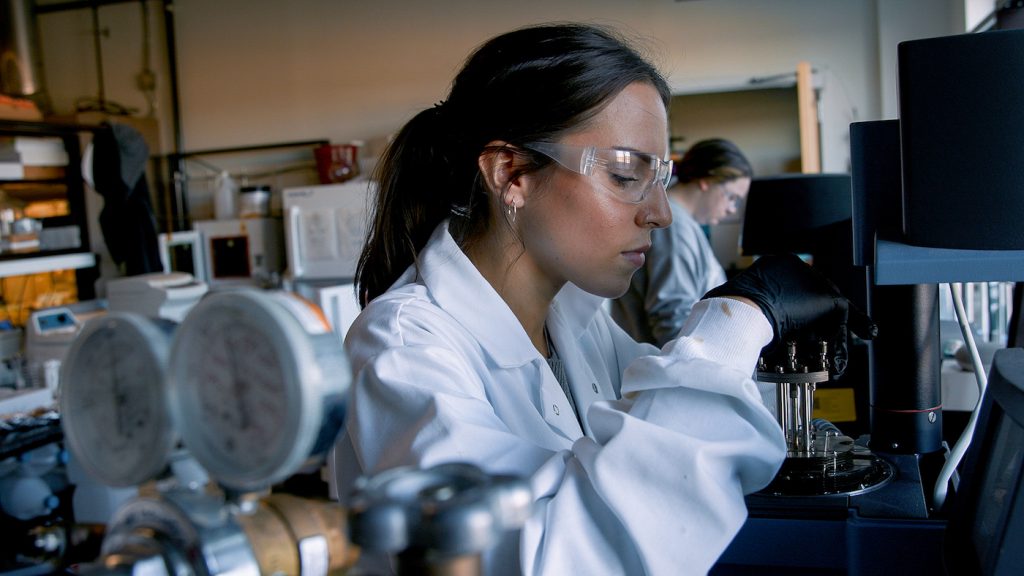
513 211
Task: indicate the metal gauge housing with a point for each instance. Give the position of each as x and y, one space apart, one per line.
257 386
113 400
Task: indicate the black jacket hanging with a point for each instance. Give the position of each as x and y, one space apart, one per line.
127 221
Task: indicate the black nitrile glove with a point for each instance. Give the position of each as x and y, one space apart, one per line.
800 303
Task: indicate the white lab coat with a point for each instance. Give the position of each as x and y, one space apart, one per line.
654 483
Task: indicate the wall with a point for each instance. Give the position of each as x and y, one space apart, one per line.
259 71
911 20
70 59
763 123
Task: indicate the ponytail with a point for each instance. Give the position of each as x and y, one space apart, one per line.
417 188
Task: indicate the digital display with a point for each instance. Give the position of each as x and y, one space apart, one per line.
57 320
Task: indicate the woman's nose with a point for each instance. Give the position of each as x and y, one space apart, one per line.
657 213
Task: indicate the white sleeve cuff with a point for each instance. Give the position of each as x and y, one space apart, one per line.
726 331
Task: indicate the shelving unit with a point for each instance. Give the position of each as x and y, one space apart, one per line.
69 187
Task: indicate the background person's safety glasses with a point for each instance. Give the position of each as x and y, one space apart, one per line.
631 174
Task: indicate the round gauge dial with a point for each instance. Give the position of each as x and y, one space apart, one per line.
113 399
257 382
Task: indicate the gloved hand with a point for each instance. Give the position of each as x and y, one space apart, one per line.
800 304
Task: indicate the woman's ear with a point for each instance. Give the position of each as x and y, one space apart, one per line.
499 165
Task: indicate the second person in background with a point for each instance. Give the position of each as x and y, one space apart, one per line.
713 179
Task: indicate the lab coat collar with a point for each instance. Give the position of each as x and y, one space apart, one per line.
460 289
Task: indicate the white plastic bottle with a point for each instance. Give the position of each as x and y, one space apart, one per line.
225 197
25 496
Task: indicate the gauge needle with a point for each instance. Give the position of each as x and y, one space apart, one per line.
118 395
238 385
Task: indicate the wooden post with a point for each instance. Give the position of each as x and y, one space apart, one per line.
810 147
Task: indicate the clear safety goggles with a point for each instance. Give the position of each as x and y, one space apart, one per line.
630 174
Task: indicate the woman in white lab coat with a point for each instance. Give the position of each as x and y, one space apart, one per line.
504 215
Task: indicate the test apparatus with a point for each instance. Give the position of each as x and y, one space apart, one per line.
899 232
252 387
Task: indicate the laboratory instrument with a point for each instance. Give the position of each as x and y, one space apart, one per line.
200 533
257 386
325 227
158 295
254 385
910 233
439 520
819 458
113 398
240 252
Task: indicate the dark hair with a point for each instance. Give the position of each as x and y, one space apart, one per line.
714 158
532 84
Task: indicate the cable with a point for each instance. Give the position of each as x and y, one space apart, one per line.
942 483
145 80
97 46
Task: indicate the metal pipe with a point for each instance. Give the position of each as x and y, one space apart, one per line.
179 216
806 395
23 74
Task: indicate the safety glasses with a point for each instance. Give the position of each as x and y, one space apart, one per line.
628 174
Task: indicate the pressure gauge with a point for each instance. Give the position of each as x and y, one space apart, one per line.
257 386
113 399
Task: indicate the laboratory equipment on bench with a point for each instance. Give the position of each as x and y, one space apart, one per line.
30 376
158 295
257 386
254 202
49 333
241 252
831 488
34 495
911 233
325 228
866 496
113 399
114 413
437 521
24 493
819 458
197 533
810 215
182 251
255 389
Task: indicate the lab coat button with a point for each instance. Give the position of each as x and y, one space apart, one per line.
594 385
555 408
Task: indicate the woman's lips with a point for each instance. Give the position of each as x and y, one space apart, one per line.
637 257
